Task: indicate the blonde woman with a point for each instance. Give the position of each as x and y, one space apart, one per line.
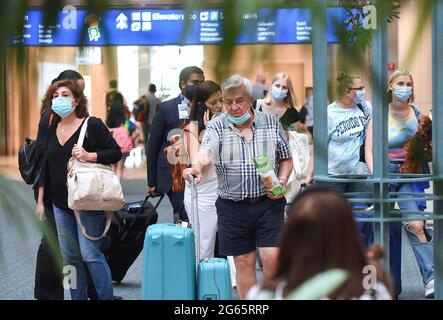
403 123
281 101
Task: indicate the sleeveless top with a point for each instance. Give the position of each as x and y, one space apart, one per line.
400 132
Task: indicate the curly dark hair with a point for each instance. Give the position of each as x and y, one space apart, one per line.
81 110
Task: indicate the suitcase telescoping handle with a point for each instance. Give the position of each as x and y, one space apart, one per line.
195 215
139 211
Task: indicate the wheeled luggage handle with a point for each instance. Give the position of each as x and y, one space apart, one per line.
155 194
195 215
162 195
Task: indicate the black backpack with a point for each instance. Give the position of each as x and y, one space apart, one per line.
28 160
28 163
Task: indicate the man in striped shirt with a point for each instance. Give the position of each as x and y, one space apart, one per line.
249 216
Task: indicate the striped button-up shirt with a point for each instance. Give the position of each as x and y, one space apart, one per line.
233 156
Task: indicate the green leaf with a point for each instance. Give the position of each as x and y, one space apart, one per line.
320 286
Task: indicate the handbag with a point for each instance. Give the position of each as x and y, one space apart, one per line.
178 160
92 186
299 144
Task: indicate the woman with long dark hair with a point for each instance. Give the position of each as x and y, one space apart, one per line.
206 104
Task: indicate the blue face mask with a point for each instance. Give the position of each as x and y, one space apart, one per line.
239 121
360 97
62 106
279 94
402 93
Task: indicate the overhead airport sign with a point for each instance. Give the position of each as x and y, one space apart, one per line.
171 27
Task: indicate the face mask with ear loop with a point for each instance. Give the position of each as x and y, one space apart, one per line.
240 120
359 97
402 93
62 106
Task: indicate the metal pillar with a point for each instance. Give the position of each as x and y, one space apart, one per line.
437 134
320 72
380 127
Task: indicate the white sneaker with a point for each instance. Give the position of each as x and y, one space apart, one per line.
429 289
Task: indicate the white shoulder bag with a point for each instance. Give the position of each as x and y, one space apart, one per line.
299 144
92 186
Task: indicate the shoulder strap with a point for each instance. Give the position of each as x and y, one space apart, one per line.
416 112
363 109
81 138
257 105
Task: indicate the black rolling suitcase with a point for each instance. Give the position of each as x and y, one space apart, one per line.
127 233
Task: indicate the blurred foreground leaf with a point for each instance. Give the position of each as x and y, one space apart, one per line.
320 286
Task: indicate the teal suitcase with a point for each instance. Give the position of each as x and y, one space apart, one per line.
168 263
214 280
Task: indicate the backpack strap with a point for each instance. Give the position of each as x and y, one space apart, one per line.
363 109
417 113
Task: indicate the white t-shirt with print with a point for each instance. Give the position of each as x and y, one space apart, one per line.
346 133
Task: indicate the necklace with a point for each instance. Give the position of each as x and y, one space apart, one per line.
62 127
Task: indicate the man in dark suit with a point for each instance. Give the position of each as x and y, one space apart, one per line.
170 115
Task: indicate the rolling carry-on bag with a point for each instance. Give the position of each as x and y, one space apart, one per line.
213 274
168 267
214 280
126 235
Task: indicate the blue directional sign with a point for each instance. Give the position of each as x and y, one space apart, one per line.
171 27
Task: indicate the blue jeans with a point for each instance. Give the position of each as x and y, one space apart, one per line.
423 251
346 187
76 249
365 228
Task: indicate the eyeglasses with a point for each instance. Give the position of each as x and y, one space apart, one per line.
360 88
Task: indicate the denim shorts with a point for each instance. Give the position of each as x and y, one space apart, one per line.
243 226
